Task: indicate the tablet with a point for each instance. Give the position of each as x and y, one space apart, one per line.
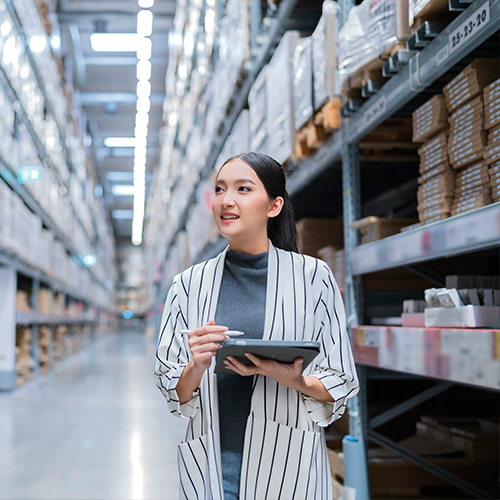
280 350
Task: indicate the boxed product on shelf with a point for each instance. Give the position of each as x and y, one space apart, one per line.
372 32
44 340
324 56
376 228
302 83
45 301
472 188
429 10
23 301
314 234
470 82
430 119
6 217
280 114
24 358
492 105
258 113
335 258
240 134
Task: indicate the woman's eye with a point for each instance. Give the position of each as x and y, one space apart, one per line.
244 188
217 189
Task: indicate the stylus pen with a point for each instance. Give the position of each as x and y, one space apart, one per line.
229 333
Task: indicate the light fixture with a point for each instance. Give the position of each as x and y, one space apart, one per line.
143 88
122 190
143 105
141 131
143 70
146 4
210 21
115 42
144 23
142 119
38 43
120 142
90 260
144 48
55 42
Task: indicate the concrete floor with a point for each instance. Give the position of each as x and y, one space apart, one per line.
96 427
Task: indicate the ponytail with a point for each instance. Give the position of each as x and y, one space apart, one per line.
281 230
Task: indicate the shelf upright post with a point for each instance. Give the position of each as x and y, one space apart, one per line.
35 351
8 373
52 328
356 459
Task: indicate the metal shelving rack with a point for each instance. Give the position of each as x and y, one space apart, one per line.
11 264
438 240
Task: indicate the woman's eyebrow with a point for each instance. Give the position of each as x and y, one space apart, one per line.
237 181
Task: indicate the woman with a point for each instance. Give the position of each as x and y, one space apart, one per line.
258 434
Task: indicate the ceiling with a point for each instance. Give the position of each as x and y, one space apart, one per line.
106 82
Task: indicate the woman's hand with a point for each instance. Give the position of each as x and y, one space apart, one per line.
288 375
204 344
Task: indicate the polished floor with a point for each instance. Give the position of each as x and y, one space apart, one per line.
94 428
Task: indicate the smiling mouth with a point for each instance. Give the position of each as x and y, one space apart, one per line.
229 217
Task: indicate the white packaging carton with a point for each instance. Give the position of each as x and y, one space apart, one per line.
302 83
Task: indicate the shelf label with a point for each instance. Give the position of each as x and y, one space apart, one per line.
442 55
374 112
473 24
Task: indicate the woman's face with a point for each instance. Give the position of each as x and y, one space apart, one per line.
240 205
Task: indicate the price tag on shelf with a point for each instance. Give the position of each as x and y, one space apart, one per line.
469 28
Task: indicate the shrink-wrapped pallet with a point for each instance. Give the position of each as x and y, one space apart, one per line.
324 56
258 113
302 83
372 29
280 102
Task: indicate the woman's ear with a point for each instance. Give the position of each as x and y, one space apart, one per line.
276 207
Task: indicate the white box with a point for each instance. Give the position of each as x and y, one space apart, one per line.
324 56
280 111
258 113
465 316
302 83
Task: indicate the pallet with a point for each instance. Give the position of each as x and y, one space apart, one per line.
318 128
370 71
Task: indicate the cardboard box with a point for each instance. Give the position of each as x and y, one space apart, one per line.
376 228
314 234
465 316
492 91
470 82
430 119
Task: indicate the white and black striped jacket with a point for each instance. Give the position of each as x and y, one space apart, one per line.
284 454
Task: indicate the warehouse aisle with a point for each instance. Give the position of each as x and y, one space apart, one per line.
96 428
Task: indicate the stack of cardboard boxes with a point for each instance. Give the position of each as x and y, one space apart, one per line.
468 136
24 359
435 194
314 234
492 125
44 348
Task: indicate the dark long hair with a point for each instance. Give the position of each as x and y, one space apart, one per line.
281 229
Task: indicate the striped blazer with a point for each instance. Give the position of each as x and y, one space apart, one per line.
284 455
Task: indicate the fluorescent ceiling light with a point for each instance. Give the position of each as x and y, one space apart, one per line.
141 131
146 4
115 42
122 214
143 88
38 43
120 142
210 21
122 190
55 42
144 47
143 70
143 105
144 23
142 119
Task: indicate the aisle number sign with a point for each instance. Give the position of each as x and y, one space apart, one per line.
469 28
29 174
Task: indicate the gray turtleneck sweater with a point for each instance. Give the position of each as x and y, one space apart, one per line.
241 306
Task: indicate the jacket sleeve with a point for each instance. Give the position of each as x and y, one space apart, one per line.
172 355
334 365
